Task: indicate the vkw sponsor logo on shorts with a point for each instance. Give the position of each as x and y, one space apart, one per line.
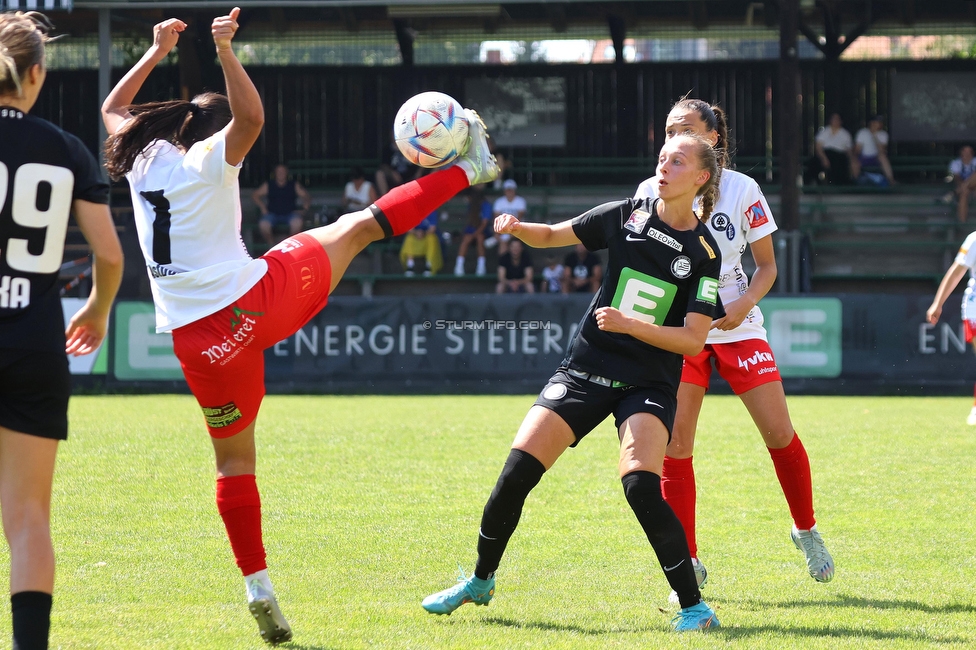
756 359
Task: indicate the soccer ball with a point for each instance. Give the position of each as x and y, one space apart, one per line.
430 129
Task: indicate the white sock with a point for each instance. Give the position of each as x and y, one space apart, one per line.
262 577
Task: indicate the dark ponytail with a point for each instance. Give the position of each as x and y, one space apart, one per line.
714 119
179 122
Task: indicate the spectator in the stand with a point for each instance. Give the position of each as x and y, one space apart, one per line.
582 271
552 276
964 179
833 147
423 243
515 270
871 151
278 202
479 213
509 203
359 193
387 177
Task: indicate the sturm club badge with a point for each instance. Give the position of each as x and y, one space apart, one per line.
681 267
720 221
555 392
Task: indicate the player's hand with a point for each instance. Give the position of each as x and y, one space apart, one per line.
933 313
224 28
167 33
506 224
85 332
735 312
609 319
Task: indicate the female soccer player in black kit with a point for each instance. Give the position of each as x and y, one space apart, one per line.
45 174
657 302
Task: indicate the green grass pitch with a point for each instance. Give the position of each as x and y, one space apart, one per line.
370 503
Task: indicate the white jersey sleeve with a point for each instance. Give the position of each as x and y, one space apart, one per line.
967 252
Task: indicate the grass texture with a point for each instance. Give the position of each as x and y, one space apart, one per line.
370 503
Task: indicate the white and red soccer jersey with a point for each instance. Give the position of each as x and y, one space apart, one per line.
967 257
741 216
188 216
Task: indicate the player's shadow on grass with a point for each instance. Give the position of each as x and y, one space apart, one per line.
844 600
738 632
562 627
300 646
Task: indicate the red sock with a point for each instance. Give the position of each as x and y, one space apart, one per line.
678 485
793 470
239 505
407 205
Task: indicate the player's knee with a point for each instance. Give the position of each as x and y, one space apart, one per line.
521 473
643 490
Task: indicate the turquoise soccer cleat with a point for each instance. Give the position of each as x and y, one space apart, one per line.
696 617
467 590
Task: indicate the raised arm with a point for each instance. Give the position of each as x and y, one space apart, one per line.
245 102
537 235
165 36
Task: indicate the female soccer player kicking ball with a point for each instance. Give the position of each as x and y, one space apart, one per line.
657 301
182 160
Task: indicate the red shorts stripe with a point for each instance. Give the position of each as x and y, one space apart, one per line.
222 355
744 364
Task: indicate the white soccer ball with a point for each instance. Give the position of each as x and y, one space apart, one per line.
430 129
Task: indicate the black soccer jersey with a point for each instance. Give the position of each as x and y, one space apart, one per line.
654 273
42 171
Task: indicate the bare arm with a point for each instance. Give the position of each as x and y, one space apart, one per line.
762 281
537 235
87 328
688 339
949 282
165 36
245 102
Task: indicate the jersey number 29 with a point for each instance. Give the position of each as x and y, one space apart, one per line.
31 182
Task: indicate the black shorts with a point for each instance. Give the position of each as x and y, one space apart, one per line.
34 391
584 401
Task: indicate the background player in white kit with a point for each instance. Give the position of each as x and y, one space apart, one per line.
965 261
738 345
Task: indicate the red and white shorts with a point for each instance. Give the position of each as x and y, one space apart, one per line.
744 364
222 355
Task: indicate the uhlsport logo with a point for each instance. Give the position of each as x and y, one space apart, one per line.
643 297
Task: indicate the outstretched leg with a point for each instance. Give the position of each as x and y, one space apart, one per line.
405 206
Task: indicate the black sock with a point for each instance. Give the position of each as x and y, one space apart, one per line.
664 532
31 612
521 473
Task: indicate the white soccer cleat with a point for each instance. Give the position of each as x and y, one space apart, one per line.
701 575
477 161
819 563
971 420
264 608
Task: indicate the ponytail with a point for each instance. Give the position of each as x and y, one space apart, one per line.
181 123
